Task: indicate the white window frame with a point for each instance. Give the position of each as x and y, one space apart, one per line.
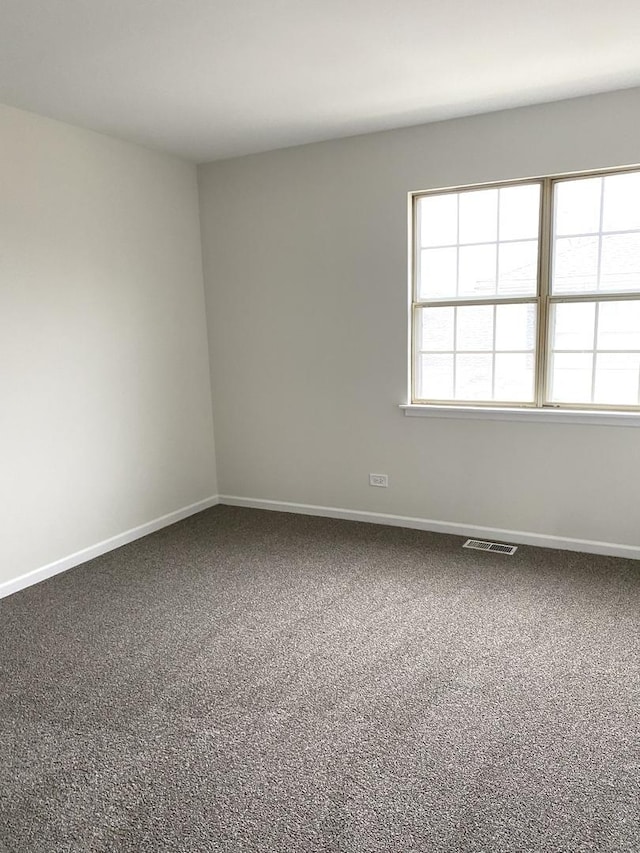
543 299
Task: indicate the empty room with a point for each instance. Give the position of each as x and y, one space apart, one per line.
320 426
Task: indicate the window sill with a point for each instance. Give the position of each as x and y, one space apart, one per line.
555 416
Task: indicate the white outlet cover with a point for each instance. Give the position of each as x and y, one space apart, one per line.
381 480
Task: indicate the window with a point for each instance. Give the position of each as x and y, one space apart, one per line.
528 294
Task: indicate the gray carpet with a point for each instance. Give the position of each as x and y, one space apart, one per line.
252 681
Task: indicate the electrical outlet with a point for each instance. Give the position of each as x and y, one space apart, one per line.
379 480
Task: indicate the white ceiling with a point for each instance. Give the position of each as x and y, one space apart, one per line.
216 78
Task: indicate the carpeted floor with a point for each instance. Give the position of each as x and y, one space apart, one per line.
250 681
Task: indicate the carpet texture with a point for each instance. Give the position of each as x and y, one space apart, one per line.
251 681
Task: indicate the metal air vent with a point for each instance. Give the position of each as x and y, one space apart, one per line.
480 545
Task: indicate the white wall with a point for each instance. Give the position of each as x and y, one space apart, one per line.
105 412
306 271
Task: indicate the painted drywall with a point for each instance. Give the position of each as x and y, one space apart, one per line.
105 409
305 254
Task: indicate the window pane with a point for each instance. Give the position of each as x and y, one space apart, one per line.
456 358
477 271
437 329
608 333
516 327
458 246
570 377
620 262
573 325
619 326
478 216
604 261
438 220
577 206
437 274
519 212
575 265
474 328
621 211
435 379
518 268
514 377
617 379
474 376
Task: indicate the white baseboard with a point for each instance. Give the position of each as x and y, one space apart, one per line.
37 575
518 537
